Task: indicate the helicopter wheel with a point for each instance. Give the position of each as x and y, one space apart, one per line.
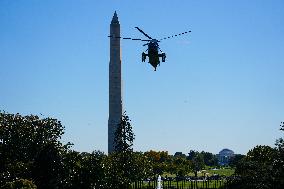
163 57
143 57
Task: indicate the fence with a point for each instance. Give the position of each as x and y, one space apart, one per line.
181 184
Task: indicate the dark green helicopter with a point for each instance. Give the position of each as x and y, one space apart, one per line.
153 48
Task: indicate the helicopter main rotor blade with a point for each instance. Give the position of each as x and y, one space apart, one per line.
134 39
143 32
174 35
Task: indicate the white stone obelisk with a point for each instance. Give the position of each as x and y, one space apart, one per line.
115 82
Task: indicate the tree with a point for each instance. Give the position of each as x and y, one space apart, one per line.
120 169
94 172
197 160
20 184
141 166
191 154
278 164
84 170
256 169
262 167
30 149
47 167
124 135
161 162
181 166
209 159
235 160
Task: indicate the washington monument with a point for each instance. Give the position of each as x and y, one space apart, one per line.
115 88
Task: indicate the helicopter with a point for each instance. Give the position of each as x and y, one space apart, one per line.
153 48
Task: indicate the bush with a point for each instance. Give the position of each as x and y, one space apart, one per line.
20 184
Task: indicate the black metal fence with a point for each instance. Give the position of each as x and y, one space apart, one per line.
182 184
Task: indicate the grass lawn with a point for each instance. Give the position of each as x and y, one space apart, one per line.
221 172
224 171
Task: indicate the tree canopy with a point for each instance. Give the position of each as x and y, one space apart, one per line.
262 167
124 135
33 156
30 148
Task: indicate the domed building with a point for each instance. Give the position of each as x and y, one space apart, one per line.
224 156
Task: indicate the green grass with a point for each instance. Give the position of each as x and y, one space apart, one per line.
222 171
225 171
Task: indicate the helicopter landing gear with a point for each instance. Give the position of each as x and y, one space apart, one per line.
144 57
163 57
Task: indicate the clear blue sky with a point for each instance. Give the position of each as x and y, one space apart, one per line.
221 86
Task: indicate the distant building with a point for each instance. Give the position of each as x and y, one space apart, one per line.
224 156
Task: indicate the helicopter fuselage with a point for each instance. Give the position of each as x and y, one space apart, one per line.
153 54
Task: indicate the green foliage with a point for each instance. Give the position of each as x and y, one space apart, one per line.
197 160
256 169
122 169
235 160
160 162
209 159
84 170
30 148
20 184
181 166
262 167
279 161
123 166
192 154
141 166
124 135
48 166
93 170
